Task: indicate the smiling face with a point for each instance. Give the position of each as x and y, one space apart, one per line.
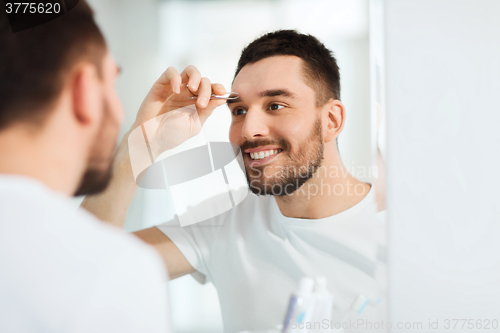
277 125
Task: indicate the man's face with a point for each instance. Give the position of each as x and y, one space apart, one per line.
98 173
277 125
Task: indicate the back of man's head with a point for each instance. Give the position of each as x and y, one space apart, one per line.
34 62
321 72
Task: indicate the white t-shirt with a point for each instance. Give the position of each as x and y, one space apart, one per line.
255 257
62 270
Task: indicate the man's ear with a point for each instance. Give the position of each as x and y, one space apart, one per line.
334 112
86 94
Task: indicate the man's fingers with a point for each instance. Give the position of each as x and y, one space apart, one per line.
173 82
174 79
205 112
171 78
168 82
204 93
218 89
192 76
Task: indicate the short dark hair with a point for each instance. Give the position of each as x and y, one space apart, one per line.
34 62
320 67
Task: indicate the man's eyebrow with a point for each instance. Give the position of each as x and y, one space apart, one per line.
232 101
277 92
267 93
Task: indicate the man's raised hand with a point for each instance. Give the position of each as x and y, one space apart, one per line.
172 91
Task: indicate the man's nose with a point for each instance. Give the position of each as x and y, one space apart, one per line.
255 125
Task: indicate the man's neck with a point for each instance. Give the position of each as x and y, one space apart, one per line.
330 191
38 156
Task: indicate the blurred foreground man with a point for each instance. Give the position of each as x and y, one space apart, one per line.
306 215
63 270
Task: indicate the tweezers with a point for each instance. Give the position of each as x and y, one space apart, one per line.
228 96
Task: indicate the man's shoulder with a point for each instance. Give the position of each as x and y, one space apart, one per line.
255 201
246 208
252 206
114 249
35 217
112 239
74 269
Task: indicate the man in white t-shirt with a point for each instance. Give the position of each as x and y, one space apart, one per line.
63 270
306 214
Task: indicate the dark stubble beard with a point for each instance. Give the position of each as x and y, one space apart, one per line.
96 178
297 167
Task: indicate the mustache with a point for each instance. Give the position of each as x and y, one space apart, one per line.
282 143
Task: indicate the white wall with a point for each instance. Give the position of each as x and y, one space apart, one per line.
443 82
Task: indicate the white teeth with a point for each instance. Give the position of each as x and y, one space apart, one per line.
263 154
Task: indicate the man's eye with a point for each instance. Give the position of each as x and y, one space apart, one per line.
274 107
239 111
